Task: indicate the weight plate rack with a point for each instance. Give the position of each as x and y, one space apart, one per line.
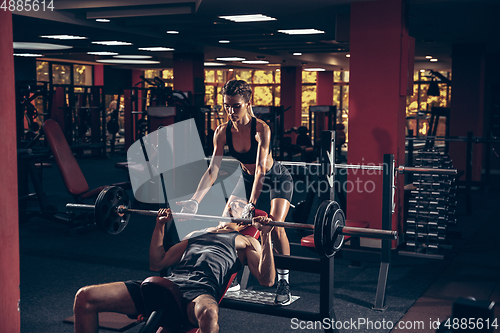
431 206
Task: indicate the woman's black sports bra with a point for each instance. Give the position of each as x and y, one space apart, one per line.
250 156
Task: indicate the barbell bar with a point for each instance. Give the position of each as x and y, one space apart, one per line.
112 215
348 231
400 169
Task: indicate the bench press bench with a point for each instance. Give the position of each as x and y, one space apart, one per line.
358 254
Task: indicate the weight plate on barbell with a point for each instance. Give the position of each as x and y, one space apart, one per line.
325 229
332 239
106 216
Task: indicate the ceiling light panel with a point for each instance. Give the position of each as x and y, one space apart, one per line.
213 64
314 69
102 20
156 49
29 55
39 46
301 31
128 61
112 43
255 62
230 59
248 18
132 56
64 37
102 53
172 32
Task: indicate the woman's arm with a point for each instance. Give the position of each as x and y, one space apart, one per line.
210 176
263 139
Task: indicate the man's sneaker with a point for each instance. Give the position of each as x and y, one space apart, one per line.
283 295
235 286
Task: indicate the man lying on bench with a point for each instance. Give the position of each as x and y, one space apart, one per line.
205 261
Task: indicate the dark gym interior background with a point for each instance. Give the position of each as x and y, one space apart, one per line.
416 79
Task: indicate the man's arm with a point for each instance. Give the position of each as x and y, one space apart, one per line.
158 258
260 258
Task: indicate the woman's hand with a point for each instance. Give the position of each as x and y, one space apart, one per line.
188 206
248 212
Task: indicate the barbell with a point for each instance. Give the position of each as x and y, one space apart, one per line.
400 169
112 213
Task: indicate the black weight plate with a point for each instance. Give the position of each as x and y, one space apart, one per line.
318 227
106 216
323 224
332 239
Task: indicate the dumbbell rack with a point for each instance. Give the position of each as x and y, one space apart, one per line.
431 207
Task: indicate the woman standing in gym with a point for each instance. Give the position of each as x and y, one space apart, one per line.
248 139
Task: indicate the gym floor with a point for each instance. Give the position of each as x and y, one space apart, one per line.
56 262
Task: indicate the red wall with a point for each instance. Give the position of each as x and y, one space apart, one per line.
9 236
376 107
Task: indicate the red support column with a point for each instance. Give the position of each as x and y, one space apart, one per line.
324 95
98 75
136 77
291 95
324 88
10 320
189 75
380 51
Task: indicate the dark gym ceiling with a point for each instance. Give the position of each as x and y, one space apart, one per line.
435 25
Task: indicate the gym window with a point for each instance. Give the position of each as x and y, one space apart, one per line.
419 103
64 73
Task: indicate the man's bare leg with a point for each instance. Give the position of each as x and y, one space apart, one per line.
203 311
90 300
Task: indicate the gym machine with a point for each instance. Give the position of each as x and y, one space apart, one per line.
80 111
274 117
146 109
326 118
28 112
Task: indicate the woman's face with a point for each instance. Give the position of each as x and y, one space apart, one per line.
235 107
